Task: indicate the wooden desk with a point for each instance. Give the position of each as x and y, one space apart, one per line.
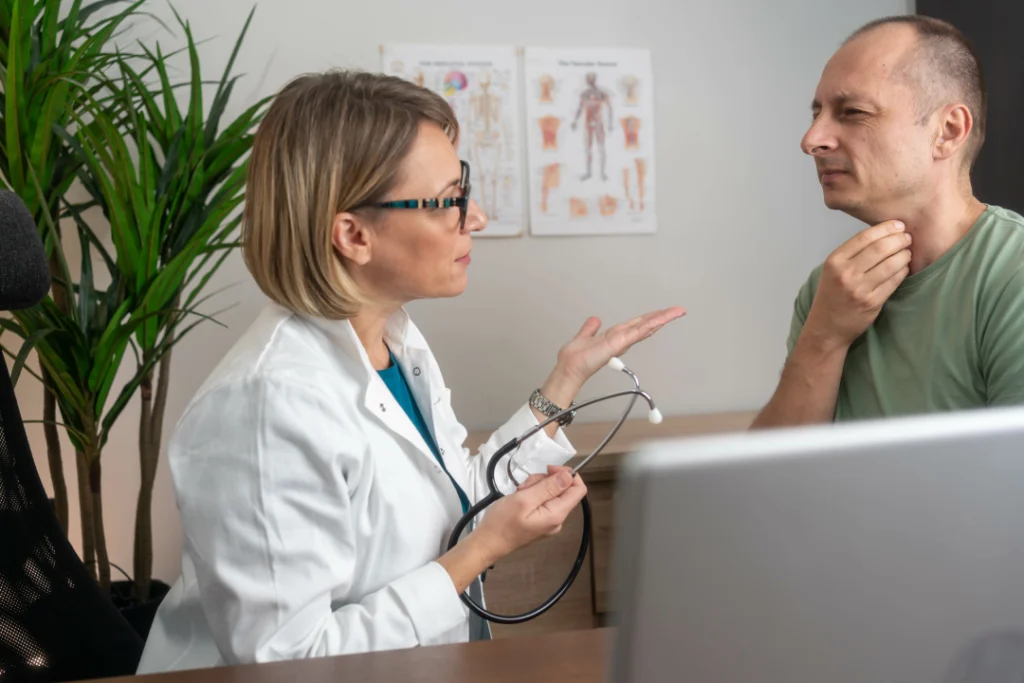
523 580
576 657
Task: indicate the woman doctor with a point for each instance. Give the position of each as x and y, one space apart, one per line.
320 469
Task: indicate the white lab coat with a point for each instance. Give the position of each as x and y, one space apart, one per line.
313 511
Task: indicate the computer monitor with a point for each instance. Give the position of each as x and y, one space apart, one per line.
883 551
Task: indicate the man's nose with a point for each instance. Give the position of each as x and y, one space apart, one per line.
820 138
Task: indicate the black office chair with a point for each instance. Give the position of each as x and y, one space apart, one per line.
55 622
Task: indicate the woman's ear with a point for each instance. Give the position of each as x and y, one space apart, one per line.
352 238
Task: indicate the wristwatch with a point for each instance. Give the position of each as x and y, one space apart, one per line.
548 408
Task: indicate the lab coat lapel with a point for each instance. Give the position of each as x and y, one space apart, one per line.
415 364
382 404
377 398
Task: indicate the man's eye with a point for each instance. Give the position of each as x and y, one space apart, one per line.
853 112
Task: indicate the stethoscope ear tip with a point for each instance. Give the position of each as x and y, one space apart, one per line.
655 416
616 364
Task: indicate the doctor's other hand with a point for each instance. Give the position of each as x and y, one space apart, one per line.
856 280
588 351
535 510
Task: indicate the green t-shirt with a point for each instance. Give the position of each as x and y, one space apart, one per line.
951 336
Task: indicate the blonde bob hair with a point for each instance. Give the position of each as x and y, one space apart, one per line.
329 143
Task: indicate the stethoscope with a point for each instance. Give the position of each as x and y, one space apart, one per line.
509 449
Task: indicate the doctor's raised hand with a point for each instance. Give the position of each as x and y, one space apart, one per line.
320 469
588 351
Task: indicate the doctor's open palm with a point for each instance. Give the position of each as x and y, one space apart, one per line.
588 351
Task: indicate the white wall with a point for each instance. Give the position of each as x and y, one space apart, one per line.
741 218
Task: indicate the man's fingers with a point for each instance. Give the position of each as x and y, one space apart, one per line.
879 275
880 251
889 286
865 238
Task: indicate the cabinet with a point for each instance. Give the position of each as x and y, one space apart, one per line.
523 580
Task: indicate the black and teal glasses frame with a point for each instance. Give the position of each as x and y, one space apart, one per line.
440 203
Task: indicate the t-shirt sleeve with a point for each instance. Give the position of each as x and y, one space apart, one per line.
801 307
1001 344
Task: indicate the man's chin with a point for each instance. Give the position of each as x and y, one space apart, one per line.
840 202
854 209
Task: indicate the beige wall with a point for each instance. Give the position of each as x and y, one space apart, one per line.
741 219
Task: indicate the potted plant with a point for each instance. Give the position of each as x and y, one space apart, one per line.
169 180
48 61
174 208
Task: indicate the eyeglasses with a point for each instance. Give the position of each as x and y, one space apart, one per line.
440 203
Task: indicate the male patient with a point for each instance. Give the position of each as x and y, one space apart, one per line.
923 311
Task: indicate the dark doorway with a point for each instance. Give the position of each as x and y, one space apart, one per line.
995 28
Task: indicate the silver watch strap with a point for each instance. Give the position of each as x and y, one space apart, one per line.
546 407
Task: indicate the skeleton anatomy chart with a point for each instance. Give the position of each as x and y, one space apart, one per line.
590 134
482 86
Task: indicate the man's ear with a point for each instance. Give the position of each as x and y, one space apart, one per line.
955 127
352 238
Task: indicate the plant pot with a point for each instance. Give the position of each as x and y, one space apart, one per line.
139 615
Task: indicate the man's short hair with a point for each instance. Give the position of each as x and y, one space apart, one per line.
942 68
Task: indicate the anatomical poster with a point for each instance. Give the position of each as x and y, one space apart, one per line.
590 141
482 86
